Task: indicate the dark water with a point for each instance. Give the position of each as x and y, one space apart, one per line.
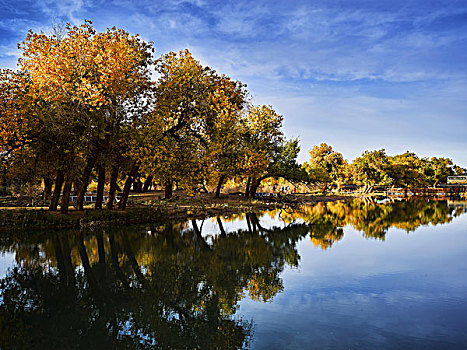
347 275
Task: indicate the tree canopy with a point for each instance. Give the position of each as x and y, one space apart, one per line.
83 104
87 105
376 168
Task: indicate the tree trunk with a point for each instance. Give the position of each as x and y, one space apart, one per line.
57 190
66 194
63 256
131 257
137 186
62 273
85 262
113 187
126 188
203 243
325 189
67 258
253 187
168 189
255 222
247 190
100 248
221 227
339 187
48 182
247 219
100 187
84 183
249 222
219 185
3 182
147 183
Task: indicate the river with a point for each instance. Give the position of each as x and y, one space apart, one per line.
342 275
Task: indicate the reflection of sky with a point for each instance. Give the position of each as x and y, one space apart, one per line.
6 261
406 291
355 74
209 227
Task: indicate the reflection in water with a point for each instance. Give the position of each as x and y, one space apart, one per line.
372 219
167 286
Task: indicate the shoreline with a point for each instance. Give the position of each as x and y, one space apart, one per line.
146 208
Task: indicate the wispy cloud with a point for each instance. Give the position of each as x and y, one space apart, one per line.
68 9
342 71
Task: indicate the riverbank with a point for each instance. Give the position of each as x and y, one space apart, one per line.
148 207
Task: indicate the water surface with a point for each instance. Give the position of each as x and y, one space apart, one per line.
342 275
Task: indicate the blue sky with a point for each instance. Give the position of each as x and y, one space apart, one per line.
354 74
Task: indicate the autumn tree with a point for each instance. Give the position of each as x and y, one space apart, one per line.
170 133
407 170
190 134
87 80
458 170
15 127
371 169
15 106
283 164
261 136
326 166
224 130
437 170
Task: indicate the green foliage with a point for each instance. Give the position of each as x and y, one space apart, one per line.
372 168
284 162
376 168
437 170
326 166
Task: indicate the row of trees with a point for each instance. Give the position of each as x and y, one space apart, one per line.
328 167
83 104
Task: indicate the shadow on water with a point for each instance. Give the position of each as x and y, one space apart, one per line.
167 286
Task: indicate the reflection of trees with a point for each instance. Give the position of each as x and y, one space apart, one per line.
167 286
373 219
325 236
160 288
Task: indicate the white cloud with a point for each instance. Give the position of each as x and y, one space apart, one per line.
66 8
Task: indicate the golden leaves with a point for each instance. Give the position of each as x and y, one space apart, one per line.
16 111
86 67
191 125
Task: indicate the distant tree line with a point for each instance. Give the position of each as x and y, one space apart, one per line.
328 167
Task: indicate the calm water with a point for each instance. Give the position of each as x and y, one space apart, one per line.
346 275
